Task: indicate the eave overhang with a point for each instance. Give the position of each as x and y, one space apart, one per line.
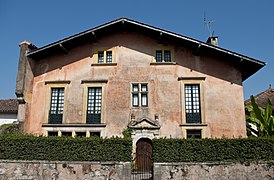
247 65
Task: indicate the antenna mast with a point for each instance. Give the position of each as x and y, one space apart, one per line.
208 25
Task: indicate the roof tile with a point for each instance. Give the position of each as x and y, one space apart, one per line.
261 98
8 106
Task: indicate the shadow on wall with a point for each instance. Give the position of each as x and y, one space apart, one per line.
203 62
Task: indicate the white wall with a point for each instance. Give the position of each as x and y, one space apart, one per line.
7 118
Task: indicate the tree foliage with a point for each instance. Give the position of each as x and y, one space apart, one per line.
261 118
127 132
9 128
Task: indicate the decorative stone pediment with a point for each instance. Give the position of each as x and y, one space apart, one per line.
144 123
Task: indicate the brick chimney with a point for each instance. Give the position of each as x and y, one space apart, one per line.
213 40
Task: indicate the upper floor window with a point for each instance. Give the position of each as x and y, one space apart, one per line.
56 106
101 57
192 103
167 56
163 56
109 57
159 56
94 104
105 57
139 95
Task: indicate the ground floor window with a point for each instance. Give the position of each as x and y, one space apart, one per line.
95 134
52 133
56 106
80 134
192 103
194 133
74 131
94 104
66 133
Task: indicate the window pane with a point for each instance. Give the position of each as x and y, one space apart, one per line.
135 88
144 99
158 56
100 57
135 100
167 56
61 101
143 87
109 57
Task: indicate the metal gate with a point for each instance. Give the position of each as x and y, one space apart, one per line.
143 165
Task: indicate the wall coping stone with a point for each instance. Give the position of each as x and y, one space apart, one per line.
207 163
62 162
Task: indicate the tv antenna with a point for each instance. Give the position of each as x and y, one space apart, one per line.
208 24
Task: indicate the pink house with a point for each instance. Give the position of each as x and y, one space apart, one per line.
127 74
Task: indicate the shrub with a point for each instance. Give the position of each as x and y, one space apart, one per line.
9 128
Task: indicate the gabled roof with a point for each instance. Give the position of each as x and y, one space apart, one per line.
262 98
8 106
247 64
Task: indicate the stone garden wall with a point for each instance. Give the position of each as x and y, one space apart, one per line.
43 170
46 170
216 171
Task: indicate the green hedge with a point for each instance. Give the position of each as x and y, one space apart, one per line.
18 147
24 147
210 150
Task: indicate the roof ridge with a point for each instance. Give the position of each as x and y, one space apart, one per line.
8 105
8 99
266 94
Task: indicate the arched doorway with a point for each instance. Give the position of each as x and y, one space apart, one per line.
144 155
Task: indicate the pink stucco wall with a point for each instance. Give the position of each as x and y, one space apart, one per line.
133 53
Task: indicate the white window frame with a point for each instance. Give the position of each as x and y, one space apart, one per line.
163 57
141 94
105 56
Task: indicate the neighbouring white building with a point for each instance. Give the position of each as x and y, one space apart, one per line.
8 111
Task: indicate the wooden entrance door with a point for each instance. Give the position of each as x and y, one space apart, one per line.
144 155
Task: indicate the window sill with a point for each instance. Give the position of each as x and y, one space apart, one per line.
73 125
163 63
193 124
104 64
140 107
